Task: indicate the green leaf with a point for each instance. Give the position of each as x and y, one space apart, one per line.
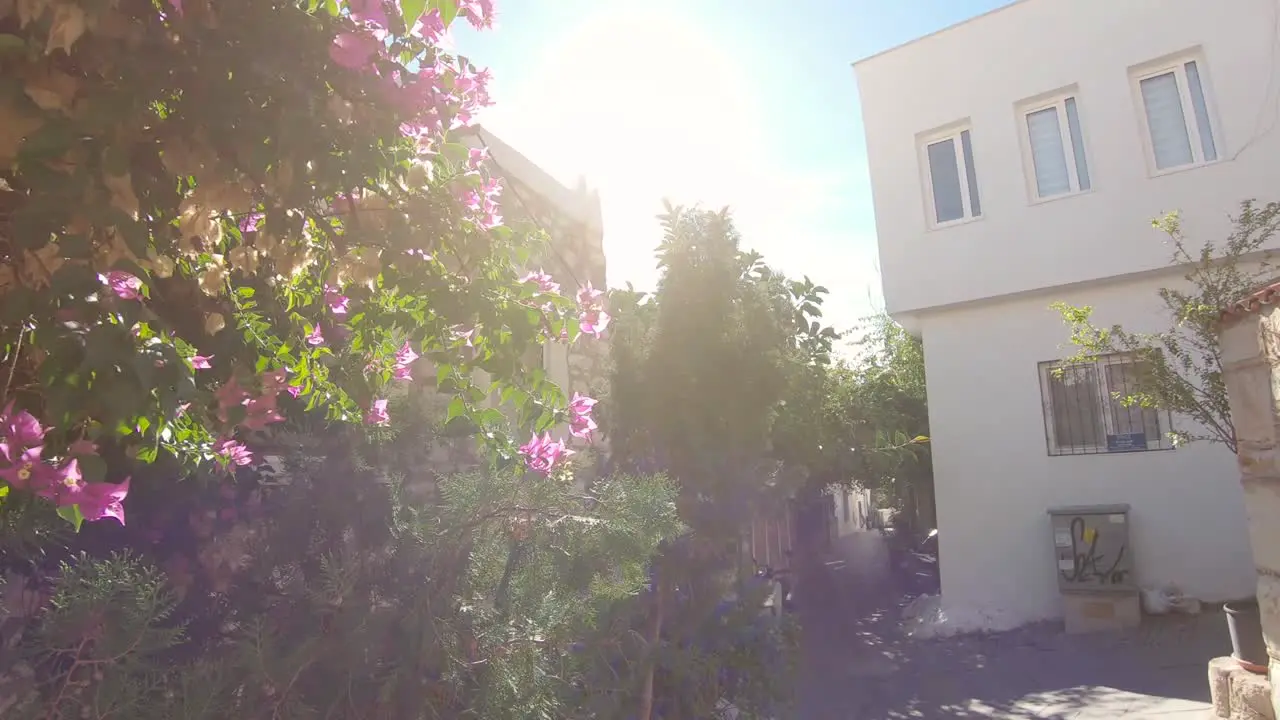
457 408
72 514
412 10
448 10
12 43
93 468
51 140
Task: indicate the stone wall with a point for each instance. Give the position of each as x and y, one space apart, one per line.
1250 345
574 256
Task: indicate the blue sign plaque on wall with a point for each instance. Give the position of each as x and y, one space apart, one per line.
1127 442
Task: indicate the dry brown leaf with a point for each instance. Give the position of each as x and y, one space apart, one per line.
52 90
113 250
69 23
194 221
122 195
223 195
14 128
214 323
186 157
113 24
38 267
79 225
29 10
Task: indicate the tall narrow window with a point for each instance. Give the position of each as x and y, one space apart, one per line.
952 178
1175 107
1055 148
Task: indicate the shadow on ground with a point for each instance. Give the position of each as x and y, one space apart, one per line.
859 665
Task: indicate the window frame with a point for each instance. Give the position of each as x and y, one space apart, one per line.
1057 101
1104 398
954 133
1177 64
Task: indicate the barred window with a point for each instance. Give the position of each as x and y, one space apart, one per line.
1085 412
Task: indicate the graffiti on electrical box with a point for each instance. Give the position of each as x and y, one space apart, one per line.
1090 562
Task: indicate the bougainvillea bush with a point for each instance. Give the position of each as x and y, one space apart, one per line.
248 227
216 212
337 594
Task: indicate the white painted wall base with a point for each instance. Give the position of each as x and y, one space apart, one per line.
994 478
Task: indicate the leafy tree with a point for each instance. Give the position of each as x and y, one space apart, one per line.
865 418
1179 369
702 381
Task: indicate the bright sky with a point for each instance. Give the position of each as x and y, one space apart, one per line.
711 102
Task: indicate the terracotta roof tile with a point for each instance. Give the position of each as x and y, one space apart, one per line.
1269 294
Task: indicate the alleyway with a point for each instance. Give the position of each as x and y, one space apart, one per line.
858 665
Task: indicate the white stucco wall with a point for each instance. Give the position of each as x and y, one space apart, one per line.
857 506
994 478
980 70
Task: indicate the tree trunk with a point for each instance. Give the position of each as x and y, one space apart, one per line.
654 637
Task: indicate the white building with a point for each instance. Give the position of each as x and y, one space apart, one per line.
854 511
1018 159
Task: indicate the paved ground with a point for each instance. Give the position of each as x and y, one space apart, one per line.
858 665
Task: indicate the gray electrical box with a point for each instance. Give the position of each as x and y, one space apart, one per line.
1091 548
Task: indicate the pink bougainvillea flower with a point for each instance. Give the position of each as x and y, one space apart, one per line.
233 453
476 158
478 12
542 454
588 296
249 223
404 362
273 381
294 390
261 412
592 318
20 429
369 11
354 50
465 335
103 500
593 322
26 471
430 26
581 404
65 485
337 302
201 362
545 282
581 424
315 337
492 188
229 395
377 414
125 285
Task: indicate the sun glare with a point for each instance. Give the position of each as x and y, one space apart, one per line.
646 105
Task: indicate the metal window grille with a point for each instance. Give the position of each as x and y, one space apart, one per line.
1085 409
